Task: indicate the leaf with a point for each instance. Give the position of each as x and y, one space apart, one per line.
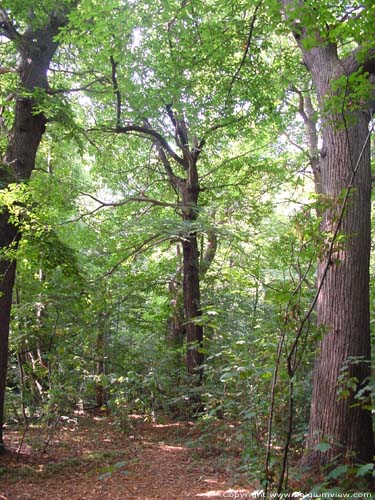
337 472
228 375
323 447
364 469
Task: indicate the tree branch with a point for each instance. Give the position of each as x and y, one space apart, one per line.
353 62
140 199
152 134
116 91
148 243
174 179
210 252
77 89
7 27
246 50
307 113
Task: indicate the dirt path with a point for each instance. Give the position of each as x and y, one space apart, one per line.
89 460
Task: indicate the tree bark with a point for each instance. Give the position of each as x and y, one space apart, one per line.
191 278
192 306
343 276
343 303
36 49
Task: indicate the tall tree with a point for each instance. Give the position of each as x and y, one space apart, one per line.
342 81
35 46
187 189
172 76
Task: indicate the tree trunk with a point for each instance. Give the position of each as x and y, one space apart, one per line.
36 49
100 370
8 235
191 275
343 277
100 395
343 303
192 297
188 190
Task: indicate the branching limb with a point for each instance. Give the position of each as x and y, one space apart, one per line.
150 134
174 179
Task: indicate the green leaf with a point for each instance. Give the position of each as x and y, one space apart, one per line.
365 469
337 472
323 447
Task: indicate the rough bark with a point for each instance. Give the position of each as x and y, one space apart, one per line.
36 49
343 302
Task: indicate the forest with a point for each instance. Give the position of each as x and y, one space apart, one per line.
187 284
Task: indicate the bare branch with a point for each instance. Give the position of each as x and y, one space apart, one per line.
199 145
174 179
7 70
210 252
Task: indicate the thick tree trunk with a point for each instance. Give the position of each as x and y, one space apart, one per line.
8 235
36 49
343 277
343 303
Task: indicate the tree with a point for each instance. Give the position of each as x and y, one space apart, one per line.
342 80
189 107
35 47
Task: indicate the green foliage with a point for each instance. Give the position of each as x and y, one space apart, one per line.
100 220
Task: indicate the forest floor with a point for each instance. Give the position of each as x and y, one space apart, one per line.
89 458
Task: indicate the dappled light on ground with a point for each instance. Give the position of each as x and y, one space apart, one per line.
92 459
